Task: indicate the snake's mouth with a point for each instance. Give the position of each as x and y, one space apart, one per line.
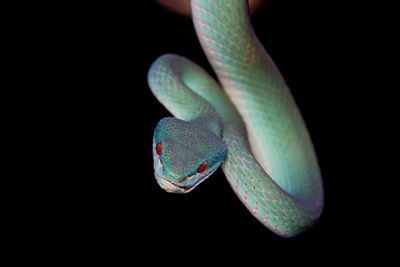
184 188
178 188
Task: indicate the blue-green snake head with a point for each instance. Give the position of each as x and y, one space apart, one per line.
185 154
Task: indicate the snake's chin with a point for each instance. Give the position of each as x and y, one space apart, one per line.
172 187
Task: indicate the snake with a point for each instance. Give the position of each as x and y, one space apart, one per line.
246 120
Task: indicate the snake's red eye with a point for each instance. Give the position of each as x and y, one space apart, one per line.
202 167
159 148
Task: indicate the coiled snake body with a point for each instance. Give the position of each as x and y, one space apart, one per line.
248 122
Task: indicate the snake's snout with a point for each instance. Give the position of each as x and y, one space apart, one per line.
172 187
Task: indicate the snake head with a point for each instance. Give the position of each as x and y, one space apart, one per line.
185 154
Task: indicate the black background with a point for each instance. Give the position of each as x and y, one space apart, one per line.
108 195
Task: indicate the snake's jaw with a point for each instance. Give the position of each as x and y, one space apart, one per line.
175 187
169 181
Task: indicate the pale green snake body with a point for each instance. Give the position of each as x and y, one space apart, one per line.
248 121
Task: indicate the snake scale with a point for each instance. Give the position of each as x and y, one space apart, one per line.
247 121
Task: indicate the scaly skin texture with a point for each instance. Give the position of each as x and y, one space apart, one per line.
270 161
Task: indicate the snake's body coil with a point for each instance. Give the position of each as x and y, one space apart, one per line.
269 159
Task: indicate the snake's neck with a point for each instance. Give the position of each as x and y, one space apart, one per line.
211 122
189 98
